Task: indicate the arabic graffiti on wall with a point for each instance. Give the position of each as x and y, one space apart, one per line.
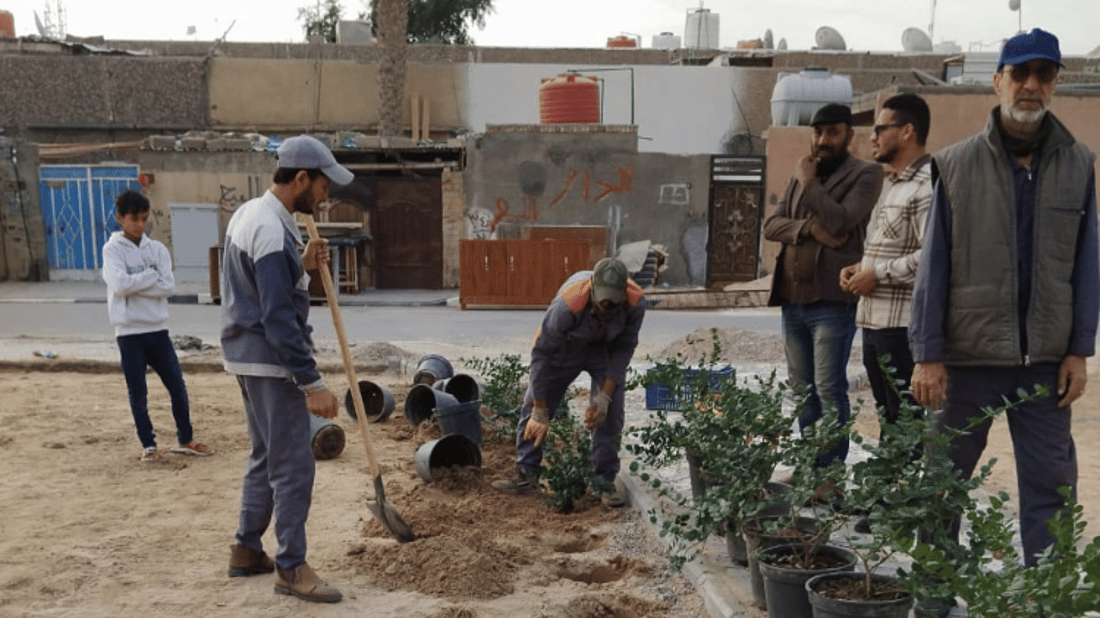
583 185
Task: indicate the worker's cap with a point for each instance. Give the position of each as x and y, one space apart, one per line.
308 153
832 113
1035 45
609 281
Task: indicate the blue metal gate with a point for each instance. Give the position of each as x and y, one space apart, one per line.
77 204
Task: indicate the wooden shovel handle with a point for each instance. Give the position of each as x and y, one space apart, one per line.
345 352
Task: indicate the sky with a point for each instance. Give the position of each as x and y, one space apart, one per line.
866 25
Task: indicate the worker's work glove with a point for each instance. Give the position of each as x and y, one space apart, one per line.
538 425
596 415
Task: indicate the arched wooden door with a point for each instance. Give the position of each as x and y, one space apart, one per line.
407 228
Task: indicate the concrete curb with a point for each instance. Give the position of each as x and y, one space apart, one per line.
197 299
724 596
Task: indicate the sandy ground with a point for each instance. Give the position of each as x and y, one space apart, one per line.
88 530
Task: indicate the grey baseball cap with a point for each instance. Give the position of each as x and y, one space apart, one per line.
308 153
609 281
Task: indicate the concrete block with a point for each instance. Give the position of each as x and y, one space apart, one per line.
368 141
192 143
228 144
161 142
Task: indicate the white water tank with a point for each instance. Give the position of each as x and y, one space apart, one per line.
797 96
666 40
701 30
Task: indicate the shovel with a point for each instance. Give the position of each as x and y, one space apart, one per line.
383 510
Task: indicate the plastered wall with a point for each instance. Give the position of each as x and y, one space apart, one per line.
522 176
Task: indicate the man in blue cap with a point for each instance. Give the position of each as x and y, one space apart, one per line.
267 345
1006 295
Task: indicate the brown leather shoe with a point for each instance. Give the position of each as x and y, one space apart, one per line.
303 583
244 561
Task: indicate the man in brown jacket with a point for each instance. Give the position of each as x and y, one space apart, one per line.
821 222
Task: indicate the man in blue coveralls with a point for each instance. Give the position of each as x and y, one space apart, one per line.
592 325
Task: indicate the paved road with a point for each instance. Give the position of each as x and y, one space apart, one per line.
492 329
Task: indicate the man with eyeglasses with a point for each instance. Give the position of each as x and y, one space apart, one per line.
592 325
821 222
883 280
1006 295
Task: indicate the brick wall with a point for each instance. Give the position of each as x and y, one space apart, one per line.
454 224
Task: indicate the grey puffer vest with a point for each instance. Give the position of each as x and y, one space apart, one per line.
982 325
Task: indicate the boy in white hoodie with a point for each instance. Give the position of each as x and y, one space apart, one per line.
138 272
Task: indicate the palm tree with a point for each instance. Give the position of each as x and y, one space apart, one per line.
393 23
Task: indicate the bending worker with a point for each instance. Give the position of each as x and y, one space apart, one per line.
592 325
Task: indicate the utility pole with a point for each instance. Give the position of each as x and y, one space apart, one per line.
932 24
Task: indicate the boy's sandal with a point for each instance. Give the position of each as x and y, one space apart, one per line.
193 448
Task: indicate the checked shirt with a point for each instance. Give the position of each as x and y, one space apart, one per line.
893 243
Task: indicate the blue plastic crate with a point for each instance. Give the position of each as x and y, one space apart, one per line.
659 397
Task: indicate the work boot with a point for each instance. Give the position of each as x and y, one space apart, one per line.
521 484
244 561
615 498
303 583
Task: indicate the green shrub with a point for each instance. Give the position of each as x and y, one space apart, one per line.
503 381
567 463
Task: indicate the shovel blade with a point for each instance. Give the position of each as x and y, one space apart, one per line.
385 513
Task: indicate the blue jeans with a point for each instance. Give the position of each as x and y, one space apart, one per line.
154 350
818 339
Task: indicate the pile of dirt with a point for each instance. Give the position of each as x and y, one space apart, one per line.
475 542
734 346
380 352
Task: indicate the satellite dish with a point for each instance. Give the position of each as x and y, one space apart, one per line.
781 45
768 40
39 26
829 38
915 40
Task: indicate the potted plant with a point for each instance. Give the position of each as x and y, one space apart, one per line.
900 496
988 576
736 429
787 549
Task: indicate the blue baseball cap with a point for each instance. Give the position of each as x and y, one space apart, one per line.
1035 45
308 153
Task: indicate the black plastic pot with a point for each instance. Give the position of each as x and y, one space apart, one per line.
777 505
785 585
423 400
825 606
378 401
700 480
326 438
757 538
462 418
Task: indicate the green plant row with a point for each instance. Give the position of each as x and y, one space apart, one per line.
739 431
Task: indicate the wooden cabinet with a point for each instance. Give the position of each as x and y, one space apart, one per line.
596 235
517 272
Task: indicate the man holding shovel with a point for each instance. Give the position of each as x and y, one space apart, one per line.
267 345
592 325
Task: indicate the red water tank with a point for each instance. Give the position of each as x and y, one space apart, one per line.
569 98
7 25
622 41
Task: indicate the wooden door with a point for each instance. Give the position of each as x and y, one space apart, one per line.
408 233
736 208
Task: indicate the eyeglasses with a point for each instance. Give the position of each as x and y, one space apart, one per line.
1044 72
879 128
